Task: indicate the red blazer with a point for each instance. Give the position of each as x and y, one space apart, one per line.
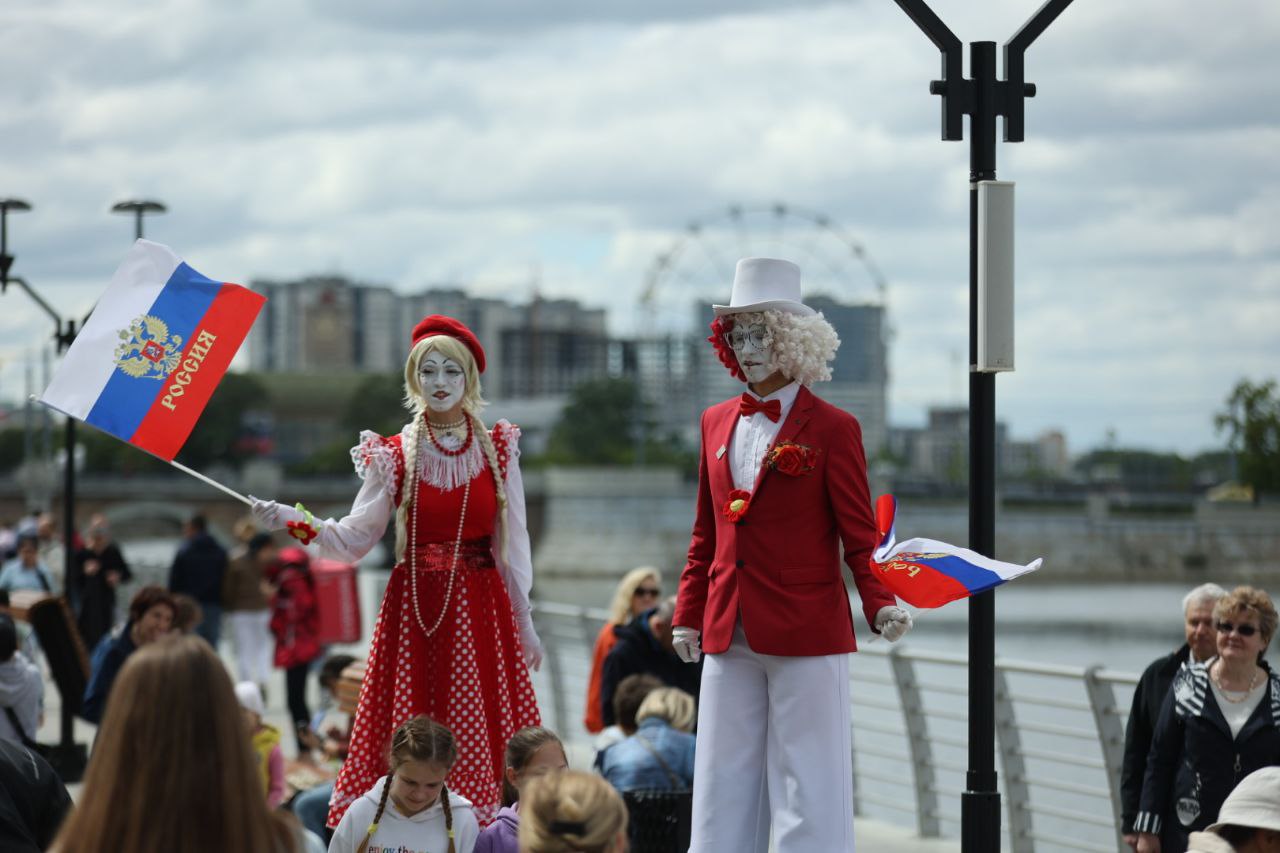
779 565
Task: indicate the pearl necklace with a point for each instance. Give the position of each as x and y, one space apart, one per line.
435 442
446 427
413 536
1244 694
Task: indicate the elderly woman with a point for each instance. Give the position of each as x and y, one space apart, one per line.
1219 723
97 572
638 591
454 638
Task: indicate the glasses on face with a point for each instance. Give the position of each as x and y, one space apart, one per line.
647 592
1242 630
757 335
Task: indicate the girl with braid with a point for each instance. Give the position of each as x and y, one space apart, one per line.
411 810
454 637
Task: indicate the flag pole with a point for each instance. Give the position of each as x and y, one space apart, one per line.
201 477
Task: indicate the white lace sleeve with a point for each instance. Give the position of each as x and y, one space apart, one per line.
351 537
517 569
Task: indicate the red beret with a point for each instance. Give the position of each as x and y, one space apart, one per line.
438 324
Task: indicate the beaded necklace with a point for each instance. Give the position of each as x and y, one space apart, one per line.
435 442
412 481
1227 694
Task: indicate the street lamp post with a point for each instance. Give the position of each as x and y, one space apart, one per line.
139 208
68 757
982 97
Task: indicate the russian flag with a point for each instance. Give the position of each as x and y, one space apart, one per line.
145 364
928 573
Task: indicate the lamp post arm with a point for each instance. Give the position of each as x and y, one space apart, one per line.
48 309
956 92
1015 75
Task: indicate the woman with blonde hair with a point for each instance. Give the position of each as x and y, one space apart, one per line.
572 811
659 756
454 638
171 767
638 590
1219 723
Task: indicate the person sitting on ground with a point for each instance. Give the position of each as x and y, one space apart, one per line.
26 571
174 731
626 702
1217 725
312 805
644 645
21 688
531 752
187 614
150 617
33 800
638 590
266 742
1249 820
572 812
410 807
1148 697
659 756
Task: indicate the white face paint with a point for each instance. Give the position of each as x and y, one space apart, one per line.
443 381
753 346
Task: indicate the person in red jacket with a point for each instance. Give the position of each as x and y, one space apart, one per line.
295 625
782 486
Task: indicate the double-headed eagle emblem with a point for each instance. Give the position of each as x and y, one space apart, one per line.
147 350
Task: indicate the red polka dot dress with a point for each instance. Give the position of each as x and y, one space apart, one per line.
470 673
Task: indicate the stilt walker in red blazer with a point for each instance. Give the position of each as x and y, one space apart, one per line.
782 485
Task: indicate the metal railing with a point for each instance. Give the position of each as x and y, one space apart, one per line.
1059 733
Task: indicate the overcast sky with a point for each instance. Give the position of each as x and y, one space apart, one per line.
505 145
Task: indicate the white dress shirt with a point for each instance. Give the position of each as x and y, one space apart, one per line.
753 435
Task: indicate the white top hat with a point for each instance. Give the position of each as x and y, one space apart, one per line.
1255 802
765 284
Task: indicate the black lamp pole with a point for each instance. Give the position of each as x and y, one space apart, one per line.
981 97
68 757
139 208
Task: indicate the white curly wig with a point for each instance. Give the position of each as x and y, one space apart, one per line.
803 346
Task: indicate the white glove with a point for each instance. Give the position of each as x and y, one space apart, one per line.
530 642
267 513
687 642
892 622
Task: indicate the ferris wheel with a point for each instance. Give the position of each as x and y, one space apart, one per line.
698 266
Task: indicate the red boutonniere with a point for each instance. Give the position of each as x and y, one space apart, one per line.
304 531
792 459
736 507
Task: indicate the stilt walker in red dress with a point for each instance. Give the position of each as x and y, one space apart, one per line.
454 637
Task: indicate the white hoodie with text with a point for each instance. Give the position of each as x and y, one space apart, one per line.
422 833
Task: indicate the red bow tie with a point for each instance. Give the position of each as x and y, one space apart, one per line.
749 405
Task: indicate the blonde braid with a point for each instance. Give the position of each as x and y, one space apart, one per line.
448 815
408 486
491 456
373 827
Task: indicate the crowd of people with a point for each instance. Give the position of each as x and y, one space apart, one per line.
721 714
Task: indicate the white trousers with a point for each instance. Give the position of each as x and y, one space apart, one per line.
251 634
773 744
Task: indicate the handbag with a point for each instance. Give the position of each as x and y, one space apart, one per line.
659 821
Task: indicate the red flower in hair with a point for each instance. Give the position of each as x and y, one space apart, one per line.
720 327
736 507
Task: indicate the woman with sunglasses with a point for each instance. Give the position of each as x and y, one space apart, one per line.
638 591
1220 722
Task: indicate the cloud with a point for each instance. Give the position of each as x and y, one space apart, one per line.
501 144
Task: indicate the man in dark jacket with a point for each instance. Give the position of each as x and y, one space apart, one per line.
197 571
644 645
1197 611
33 800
